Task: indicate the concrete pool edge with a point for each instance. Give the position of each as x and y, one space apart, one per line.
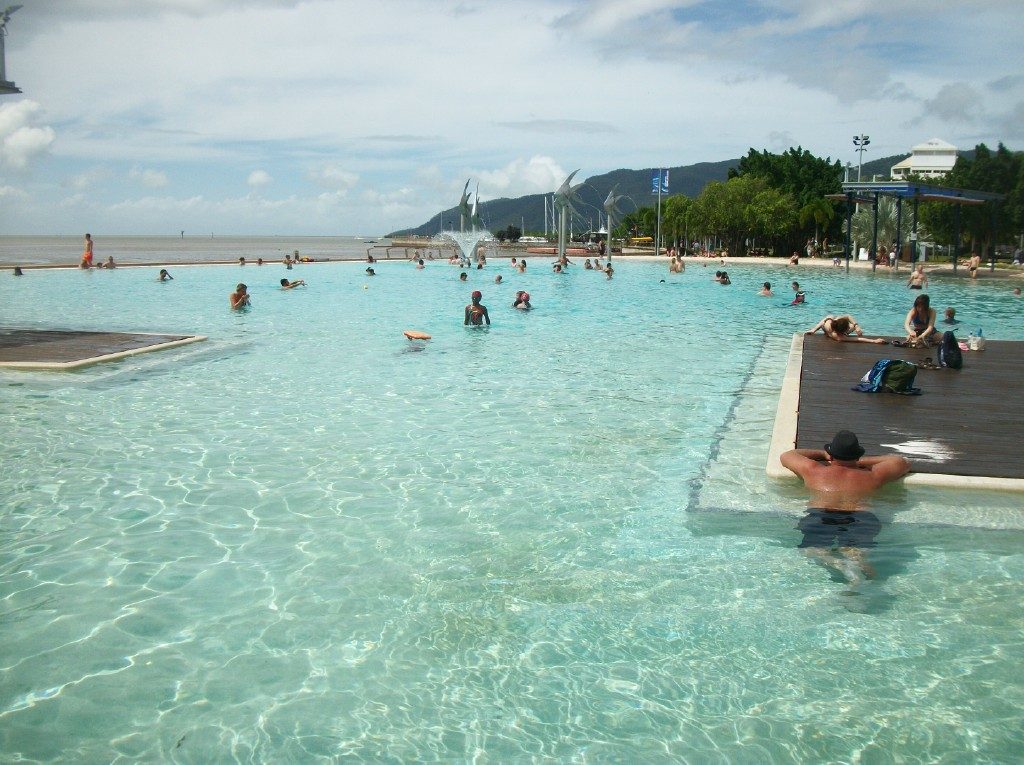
62 366
784 438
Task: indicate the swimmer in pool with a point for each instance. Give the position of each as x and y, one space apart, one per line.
800 297
287 285
476 314
463 277
522 301
497 279
918 279
164 276
766 290
239 298
837 529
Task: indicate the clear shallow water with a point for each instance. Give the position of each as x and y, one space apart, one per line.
548 540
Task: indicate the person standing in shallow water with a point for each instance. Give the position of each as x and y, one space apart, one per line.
87 253
239 298
476 314
837 529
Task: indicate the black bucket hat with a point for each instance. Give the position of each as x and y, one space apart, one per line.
845 446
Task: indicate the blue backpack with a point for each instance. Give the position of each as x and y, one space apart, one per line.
891 375
949 352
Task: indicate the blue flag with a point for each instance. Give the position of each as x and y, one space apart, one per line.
664 183
659 178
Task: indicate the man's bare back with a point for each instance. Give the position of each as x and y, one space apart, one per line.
838 530
840 477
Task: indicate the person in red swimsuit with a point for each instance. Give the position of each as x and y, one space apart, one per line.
87 255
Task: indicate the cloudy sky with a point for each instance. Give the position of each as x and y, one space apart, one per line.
357 117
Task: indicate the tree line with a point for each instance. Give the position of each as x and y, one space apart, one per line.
775 202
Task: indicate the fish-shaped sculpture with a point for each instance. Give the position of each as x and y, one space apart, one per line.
567 193
611 202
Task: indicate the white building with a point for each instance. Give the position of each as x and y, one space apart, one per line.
931 159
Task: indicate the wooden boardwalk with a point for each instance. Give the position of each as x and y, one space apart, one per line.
966 423
65 349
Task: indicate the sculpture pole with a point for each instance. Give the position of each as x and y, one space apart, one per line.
564 198
611 206
561 232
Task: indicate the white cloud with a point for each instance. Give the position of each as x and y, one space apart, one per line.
955 102
151 179
89 179
259 179
9 192
331 176
21 141
533 176
512 96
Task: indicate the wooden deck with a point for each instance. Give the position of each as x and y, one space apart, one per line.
65 349
965 424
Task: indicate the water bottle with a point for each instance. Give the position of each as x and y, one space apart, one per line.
972 342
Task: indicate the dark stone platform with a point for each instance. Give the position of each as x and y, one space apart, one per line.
68 349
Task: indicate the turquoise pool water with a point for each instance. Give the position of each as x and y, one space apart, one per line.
551 540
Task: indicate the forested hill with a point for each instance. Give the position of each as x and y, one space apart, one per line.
528 212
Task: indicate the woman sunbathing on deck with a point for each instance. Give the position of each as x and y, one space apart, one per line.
838 328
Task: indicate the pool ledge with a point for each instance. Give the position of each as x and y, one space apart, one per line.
784 436
143 343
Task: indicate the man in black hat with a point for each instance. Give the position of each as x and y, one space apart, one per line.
840 477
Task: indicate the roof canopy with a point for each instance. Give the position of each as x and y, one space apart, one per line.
915 190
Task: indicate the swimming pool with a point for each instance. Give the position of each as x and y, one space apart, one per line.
309 539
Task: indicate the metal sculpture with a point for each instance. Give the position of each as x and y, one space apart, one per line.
564 199
464 211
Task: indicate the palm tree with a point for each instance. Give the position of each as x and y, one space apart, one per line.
820 211
863 224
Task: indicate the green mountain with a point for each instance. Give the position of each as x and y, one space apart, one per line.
528 212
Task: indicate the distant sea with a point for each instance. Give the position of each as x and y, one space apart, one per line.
50 250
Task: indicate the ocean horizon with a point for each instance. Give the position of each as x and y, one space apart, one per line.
129 249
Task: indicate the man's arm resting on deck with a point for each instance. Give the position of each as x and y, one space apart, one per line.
800 460
888 468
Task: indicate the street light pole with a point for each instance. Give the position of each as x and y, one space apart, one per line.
861 142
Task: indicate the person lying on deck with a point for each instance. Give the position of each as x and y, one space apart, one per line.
839 328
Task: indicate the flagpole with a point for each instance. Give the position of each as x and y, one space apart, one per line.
657 238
